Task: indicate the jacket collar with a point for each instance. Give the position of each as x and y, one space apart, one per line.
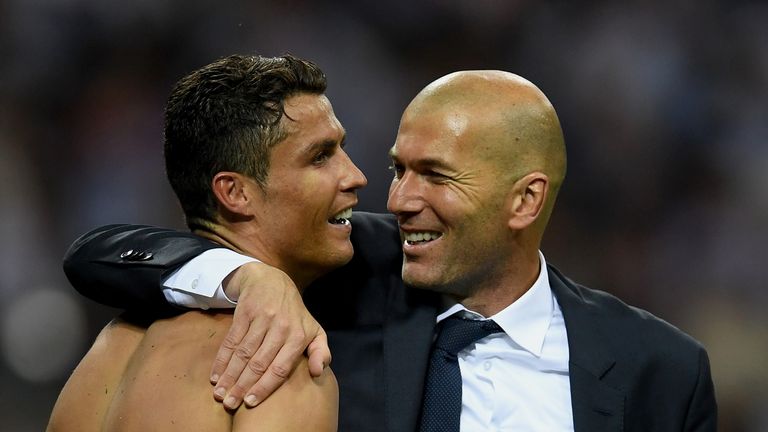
596 405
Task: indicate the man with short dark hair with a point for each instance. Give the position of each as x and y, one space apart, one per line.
255 155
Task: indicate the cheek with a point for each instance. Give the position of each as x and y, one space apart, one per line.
298 190
452 208
313 198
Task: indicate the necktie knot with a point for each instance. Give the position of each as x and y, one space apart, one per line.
456 333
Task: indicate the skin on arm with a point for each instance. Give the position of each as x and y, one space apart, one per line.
87 395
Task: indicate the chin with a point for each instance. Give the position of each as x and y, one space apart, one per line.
419 281
345 259
341 256
433 281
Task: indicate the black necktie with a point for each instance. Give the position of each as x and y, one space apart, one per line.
441 409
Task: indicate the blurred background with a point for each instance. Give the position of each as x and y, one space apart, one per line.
663 105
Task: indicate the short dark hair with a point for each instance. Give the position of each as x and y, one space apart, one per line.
226 116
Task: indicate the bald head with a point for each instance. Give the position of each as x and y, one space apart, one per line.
478 161
510 120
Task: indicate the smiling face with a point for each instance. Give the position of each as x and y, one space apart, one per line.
449 202
303 214
478 160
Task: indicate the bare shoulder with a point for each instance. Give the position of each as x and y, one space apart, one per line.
87 395
302 403
165 386
137 379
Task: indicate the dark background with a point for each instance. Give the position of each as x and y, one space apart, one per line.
663 105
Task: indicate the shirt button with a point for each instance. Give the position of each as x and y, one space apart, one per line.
194 284
487 365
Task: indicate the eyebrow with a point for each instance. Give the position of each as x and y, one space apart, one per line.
327 144
422 163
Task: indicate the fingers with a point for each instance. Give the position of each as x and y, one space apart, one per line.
237 353
277 373
270 331
231 342
268 367
319 354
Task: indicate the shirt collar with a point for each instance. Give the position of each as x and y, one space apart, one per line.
527 319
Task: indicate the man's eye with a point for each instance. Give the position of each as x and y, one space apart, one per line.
397 169
321 158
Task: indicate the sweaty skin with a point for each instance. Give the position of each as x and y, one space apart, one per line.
136 379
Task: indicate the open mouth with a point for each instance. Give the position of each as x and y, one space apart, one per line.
341 218
414 238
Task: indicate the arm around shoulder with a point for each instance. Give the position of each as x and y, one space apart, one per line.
123 265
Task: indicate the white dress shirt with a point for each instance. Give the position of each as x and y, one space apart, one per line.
197 284
518 380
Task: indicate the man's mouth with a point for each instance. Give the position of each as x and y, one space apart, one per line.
413 238
341 218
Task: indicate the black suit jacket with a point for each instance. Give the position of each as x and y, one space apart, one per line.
629 371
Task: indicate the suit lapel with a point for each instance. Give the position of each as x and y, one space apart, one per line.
596 405
407 340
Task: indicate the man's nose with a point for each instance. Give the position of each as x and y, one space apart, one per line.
405 195
354 178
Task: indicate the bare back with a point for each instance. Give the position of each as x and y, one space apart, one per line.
134 379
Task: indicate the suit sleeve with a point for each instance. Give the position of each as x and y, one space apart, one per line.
123 265
702 411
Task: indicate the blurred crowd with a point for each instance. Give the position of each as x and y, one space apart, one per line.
663 105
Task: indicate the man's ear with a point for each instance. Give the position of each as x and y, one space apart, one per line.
527 200
234 193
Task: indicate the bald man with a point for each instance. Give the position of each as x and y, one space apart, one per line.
478 162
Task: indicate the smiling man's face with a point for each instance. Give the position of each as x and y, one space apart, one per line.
310 190
478 160
448 199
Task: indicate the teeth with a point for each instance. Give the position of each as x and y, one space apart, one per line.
345 214
342 218
419 237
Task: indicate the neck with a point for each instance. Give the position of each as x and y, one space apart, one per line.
248 243
496 292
